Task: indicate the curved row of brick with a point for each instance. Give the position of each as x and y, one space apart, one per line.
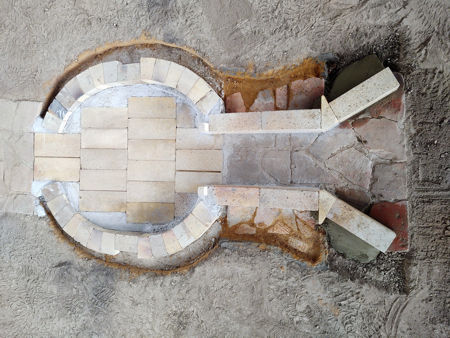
113 73
303 199
150 248
309 120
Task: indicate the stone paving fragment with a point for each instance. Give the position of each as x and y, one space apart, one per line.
152 107
162 192
188 182
57 145
264 101
56 169
145 212
151 171
103 159
147 66
199 160
107 201
104 118
151 129
148 150
104 138
115 180
234 103
171 242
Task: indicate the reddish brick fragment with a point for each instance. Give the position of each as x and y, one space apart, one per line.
281 98
305 94
234 103
394 216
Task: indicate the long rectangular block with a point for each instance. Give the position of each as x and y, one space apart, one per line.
291 120
151 150
105 180
361 225
107 201
56 169
104 138
187 181
163 192
199 160
104 159
235 123
148 212
152 129
297 199
104 118
57 145
151 171
364 95
152 107
192 138
235 195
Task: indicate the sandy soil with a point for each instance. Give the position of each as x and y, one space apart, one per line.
47 290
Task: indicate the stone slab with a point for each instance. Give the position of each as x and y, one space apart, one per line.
192 138
104 117
104 180
152 107
107 201
57 145
236 123
283 198
199 160
151 150
151 129
171 242
160 171
56 169
144 212
189 182
104 138
291 120
104 159
162 192
364 95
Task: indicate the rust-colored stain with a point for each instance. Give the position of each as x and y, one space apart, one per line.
249 85
313 241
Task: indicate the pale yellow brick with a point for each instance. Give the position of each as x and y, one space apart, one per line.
192 138
104 118
108 201
57 145
56 169
236 196
151 171
148 212
202 212
189 182
200 89
152 129
171 242
162 192
173 75
104 138
235 123
147 65
159 150
152 107
104 159
195 227
199 160
114 180
160 70
291 120
187 81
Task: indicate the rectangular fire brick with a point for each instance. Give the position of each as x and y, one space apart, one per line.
200 89
160 171
163 192
107 201
113 180
158 150
160 70
298 199
104 138
57 145
152 107
236 196
147 212
103 159
291 120
171 242
147 65
187 181
173 74
199 160
195 226
192 138
104 118
56 169
235 123
152 129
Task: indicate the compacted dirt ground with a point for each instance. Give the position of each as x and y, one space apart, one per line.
47 289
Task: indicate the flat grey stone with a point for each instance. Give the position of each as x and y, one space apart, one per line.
389 181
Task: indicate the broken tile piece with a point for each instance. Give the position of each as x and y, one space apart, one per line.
234 103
